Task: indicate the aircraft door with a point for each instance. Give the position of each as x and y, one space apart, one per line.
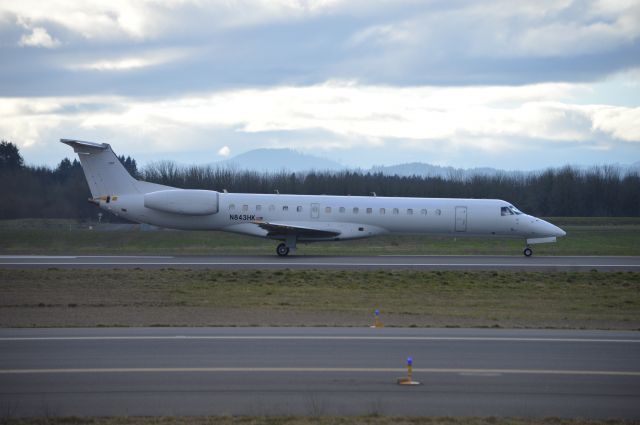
461 219
315 211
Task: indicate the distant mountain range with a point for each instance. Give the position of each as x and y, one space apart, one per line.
274 160
279 160
428 170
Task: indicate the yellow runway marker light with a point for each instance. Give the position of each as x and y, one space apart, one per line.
408 380
377 323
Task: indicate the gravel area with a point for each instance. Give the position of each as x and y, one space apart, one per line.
58 316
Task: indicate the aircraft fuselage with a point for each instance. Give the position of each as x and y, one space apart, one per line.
353 216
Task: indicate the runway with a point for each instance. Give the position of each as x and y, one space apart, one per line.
455 262
319 371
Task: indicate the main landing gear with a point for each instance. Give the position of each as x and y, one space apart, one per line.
282 250
289 245
527 252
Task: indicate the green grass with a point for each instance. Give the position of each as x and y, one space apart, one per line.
424 298
594 221
291 420
585 236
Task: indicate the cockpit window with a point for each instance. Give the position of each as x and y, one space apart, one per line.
510 210
515 210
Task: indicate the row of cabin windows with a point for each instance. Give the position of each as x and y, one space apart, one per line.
341 210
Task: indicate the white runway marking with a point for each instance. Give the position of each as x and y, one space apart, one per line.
17 257
76 257
124 256
317 370
504 256
332 264
318 337
379 255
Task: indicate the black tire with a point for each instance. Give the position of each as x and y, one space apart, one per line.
282 250
527 252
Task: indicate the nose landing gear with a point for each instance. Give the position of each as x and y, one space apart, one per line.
527 252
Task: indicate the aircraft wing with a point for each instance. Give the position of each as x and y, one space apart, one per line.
282 229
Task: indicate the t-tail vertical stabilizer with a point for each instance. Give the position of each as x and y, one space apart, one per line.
105 173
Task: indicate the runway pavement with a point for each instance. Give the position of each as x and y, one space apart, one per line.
319 371
454 262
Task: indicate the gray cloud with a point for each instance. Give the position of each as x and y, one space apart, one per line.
113 67
425 43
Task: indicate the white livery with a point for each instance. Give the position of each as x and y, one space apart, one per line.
299 218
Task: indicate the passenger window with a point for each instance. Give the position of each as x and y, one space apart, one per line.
327 210
258 207
409 211
438 212
299 208
423 211
342 210
272 208
245 208
369 210
382 211
396 211
285 208
232 207
356 210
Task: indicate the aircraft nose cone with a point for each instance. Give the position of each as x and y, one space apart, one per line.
554 230
559 231
544 228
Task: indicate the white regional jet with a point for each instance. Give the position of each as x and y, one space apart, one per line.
299 218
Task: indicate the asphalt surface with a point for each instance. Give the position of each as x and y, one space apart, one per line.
319 371
454 262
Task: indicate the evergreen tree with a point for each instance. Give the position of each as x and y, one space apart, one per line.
10 155
130 165
62 192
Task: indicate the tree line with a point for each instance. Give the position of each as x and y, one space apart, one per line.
62 191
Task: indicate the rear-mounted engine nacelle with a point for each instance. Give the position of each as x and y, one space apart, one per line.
183 201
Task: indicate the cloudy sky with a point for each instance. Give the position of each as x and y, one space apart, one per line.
503 83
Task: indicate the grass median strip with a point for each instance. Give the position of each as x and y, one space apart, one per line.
179 297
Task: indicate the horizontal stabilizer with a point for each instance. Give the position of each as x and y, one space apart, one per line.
80 146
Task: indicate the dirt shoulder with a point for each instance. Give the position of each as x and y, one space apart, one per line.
255 317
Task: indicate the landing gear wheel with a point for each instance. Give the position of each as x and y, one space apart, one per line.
527 252
282 250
